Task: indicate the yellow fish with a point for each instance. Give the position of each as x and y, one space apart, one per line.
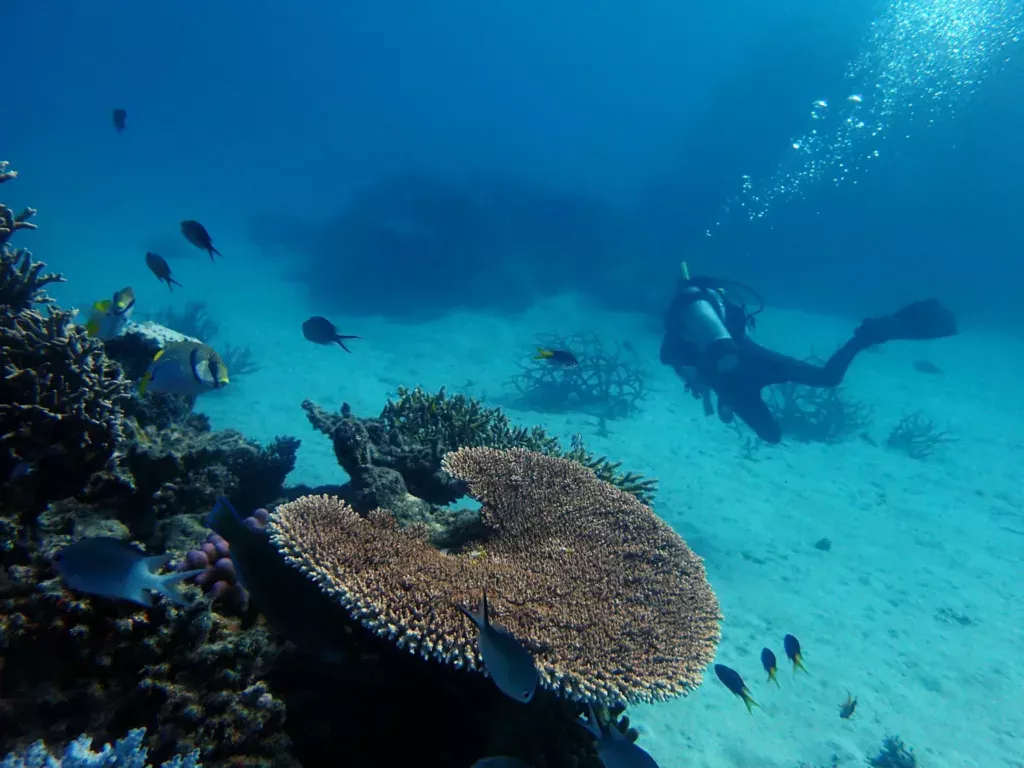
109 317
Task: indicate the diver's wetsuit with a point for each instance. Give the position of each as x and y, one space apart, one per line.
751 367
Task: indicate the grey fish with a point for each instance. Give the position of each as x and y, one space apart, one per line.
119 119
110 567
159 267
196 234
508 663
500 761
320 330
613 748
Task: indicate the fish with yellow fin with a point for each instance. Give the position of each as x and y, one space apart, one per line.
731 679
185 368
560 357
110 317
793 652
770 665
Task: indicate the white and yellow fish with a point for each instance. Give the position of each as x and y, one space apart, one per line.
109 318
185 368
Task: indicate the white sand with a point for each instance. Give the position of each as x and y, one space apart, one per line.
910 538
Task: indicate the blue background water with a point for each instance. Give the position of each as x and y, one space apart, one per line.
634 124
273 111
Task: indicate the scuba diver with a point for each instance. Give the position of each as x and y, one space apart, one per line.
707 343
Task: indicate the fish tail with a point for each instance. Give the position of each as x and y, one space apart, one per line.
212 251
749 701
773 678
167 585
798 663
542 354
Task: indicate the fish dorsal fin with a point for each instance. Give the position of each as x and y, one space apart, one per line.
102 306
159 354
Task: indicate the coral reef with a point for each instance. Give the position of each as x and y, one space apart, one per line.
612 603
607 382
84 455
128 751
90 665
394 460
817 414
61 400
221 581
917 436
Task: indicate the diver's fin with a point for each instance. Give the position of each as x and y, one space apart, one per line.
926 319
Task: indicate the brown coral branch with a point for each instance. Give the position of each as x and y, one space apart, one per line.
609 599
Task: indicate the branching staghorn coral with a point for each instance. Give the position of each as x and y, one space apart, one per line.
61 400
816 414
606 382
917 436
611 602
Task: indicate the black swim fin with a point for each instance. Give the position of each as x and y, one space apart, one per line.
926 319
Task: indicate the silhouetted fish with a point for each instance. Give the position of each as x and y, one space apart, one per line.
320 330
731 679
196 234
793 652
158 266
119 119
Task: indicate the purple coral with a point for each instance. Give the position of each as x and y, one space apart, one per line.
220 578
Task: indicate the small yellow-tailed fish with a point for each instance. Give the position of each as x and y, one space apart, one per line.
731 679
110 317
793 652
185 368
560 357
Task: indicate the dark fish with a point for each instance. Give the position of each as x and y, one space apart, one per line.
110 567
320 330
769 664
792 646
848 707
731 679
158 266
923 366
560 357
119 119
508 663
614 748
196 234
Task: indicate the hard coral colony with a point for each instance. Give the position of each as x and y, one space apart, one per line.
92 465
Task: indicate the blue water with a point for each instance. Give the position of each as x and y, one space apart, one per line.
448 180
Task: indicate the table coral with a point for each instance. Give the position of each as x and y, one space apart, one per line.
611 602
